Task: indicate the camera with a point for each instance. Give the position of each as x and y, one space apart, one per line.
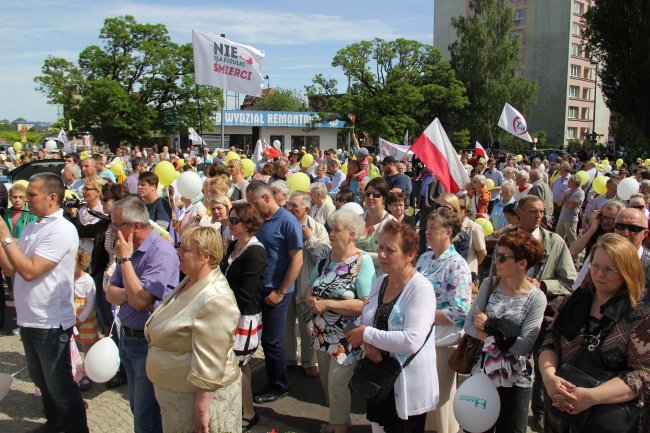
73 202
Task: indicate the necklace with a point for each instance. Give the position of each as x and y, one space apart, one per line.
241 246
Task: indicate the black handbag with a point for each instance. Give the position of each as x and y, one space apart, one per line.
588 372
375 381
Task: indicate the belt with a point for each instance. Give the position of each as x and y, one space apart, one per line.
133 332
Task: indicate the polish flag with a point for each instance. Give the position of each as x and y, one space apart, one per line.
437 153
480 151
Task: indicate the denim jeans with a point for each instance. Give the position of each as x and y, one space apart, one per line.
273 320
145 409
102 306
47 352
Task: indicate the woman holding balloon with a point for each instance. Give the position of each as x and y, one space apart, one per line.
506 317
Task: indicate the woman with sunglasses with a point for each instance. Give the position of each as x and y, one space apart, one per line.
375 218
344 196
243 265
508 323
602 330
451 280
92 195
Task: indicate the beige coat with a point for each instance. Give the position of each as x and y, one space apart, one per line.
191 337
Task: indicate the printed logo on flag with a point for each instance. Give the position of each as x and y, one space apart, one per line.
519 125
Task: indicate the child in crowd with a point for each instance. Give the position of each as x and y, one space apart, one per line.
84 302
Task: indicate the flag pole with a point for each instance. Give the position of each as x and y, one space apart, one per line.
225 101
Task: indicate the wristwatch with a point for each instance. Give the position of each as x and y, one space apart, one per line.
6 241
123 260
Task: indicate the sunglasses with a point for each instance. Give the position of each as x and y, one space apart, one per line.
89 189
234 221
606 218
340 199
501 258
640 207
375 194
631 227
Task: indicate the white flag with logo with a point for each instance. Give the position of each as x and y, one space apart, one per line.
513 121
62 137
219 62
397 151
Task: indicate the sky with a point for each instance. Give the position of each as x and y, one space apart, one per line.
300 38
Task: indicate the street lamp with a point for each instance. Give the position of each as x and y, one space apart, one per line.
268 83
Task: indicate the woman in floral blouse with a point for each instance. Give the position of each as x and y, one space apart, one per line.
339 285
451 279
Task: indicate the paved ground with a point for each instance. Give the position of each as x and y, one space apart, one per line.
302 411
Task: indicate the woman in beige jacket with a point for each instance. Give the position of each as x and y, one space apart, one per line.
191 359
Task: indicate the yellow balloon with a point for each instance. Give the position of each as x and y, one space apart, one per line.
519 158
70 194
599 166
486 225
584 177
181 163
117 168
619 162
593 159
307 160
165 172
298 182
481 160
230 156
409 211
490 183
600 184
18 146
22 182
249 167
344 168
647 162
177 174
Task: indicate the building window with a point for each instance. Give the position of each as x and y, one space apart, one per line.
571 133
589 73
515 34
576 50
576 30
586 113
519 15
574 91
306 141
578 8
587 93
575 71
573 112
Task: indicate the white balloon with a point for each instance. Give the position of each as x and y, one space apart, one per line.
339 151
607 168
353 207
477 404
5 384
102 360
50 145
277 144
627 187
189 185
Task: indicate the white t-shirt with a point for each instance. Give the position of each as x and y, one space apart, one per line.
47 302
84 287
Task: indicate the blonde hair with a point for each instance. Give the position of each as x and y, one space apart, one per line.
625 258
95 182
207 241
223 200
238 165
83 258
452 200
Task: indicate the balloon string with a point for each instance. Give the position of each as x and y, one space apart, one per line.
19 371
110 332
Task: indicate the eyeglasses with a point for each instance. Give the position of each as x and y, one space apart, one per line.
375 194
85 188
606 218
340 199
640 207
231 166
117 226
631 227
234 221
606 270
501 258
398 205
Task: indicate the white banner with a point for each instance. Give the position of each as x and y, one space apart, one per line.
513 121
397 151
221 63
194 137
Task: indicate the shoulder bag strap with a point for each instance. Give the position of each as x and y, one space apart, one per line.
410 358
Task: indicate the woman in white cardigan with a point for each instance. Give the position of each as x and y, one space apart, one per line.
396 320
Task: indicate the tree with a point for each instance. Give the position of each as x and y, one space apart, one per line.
282 100
138 83
617 37
394 86
485 58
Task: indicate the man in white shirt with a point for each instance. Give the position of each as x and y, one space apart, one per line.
42 264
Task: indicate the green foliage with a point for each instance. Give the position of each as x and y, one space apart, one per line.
617 35
394 86
12 136
485 59
138 83
461 138
282 100
575 146
541 137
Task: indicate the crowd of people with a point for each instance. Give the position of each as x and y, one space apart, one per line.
375 260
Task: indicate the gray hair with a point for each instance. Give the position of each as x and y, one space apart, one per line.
637 196
319 188
509 186
304 197
74 170
565 166
258 188
645 183
480 178
537 173
133 210
616 204
347 220
575 178
523 174
508 170
334 162
281 186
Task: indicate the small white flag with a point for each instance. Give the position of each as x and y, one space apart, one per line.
221 63
62 137
406 138
397 151
194 137
513 121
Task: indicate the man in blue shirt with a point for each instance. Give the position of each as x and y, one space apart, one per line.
497 178
397 182
334 167
281 236
147 271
